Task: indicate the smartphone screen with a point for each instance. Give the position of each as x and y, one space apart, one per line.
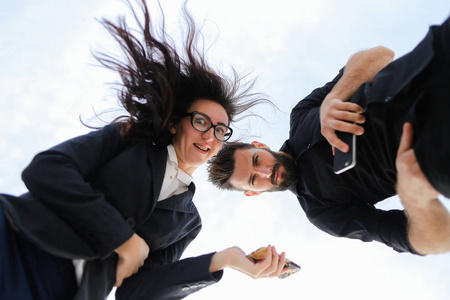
345 161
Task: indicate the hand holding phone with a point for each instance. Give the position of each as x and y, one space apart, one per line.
260 254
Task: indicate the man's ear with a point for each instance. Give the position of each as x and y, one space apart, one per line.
251 193
259 145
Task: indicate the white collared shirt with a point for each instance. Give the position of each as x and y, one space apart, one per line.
176 181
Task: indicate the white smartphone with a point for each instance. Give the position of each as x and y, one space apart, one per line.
345 161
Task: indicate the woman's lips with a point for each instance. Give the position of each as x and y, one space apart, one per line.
203 149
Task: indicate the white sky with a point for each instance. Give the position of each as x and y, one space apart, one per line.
47 79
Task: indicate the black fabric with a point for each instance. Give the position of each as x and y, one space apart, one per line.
28 273
413 88
88 195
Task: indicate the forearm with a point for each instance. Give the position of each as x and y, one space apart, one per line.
428 227
428 219
336 112
361 67
219 261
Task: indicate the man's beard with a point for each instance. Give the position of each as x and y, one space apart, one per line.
289 177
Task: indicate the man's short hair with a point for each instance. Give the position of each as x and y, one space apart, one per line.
221 166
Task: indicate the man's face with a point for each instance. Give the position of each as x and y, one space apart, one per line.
260 170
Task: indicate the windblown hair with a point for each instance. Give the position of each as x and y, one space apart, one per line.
221 166
159 85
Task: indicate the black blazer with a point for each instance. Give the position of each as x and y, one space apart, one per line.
88 195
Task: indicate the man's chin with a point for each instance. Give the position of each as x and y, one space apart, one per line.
279 188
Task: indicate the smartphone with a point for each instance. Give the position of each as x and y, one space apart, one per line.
260 254
345 161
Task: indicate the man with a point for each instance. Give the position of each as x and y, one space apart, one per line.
373 98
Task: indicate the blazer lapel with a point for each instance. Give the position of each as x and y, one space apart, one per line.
181 202
157 158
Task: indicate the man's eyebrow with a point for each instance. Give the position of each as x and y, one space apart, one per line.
253 164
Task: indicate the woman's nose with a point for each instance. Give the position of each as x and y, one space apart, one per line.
209 134
264 171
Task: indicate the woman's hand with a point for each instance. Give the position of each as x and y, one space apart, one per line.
271 266
132 255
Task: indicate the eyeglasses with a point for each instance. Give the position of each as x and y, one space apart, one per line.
203 123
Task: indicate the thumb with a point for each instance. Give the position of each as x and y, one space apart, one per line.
120 273
406 139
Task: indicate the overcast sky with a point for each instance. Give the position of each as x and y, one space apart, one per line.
48 78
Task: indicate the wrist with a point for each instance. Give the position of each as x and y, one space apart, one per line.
219 261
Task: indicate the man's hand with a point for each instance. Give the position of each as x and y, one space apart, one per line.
132 255
428 219
336 114
412 186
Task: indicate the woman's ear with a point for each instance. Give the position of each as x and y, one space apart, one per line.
173 128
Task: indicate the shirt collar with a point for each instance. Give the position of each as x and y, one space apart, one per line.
172 154
181 175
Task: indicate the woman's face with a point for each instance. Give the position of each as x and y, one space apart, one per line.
193 147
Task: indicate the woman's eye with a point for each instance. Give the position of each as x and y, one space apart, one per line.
220 131
200 121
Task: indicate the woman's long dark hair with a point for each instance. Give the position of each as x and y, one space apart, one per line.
158 85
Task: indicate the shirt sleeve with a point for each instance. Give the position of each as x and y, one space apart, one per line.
163 276
360 221
306 115
58 178
307 108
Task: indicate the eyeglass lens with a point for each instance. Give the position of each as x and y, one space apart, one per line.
202 123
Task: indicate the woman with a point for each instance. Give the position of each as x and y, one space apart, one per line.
118 201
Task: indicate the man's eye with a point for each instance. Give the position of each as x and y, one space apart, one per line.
253 180
256 160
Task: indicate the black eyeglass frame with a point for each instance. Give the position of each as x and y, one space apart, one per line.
226 137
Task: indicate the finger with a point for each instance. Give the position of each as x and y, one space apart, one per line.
345 126
281 264
336 142
349 106
267 261
406 139
268 258
275 259
350 117
119 278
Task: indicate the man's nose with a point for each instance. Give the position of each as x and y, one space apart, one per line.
264 171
